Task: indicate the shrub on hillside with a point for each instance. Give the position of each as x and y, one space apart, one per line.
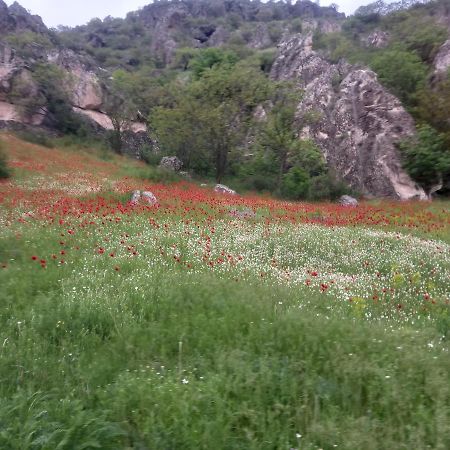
35 138
4 170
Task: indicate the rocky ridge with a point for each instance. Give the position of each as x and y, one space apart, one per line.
354 120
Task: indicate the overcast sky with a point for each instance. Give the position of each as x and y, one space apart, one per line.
79 12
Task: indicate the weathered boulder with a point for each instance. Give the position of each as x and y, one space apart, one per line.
145 197
346 200
135 197
222 189
171 163
353 119
149 198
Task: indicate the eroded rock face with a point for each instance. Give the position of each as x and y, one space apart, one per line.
354 120
442 59
83 84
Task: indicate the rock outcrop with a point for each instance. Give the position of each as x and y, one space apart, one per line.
442 60
82 83
17 18
354 120
171 163
377 39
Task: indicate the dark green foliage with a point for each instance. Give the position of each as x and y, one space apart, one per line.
433 106
4 170
35 137
401 71
210 57
210 116
295 184
427 159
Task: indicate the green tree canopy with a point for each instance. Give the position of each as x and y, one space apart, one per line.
427 159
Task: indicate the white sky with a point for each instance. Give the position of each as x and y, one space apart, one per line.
79 12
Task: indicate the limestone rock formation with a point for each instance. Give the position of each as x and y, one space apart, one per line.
354 120
83 83
149 198
442 60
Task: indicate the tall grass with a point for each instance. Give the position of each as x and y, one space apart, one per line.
148 357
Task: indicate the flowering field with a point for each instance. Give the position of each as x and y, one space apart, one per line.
214 321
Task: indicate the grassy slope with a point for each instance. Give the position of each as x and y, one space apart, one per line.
184 327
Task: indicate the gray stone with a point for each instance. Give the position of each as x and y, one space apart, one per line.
171 163
135 198
149 198
346 200
377 39
222 189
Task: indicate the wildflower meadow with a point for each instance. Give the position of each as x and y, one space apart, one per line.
212 321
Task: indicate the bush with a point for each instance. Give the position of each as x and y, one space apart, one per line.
34 137
295 184
4 170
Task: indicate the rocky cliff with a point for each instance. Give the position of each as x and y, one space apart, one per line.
80 73
351 117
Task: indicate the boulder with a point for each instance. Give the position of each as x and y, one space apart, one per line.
346 200
171 163
149 198
145 197
135 197
222 189
352 118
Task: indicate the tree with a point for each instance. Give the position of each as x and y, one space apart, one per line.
210 116
433 106
119 107
401 71
427 159
208 58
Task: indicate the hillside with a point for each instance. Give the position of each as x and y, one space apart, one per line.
214 321
292 99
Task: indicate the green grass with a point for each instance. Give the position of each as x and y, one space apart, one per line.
203 331
157 357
